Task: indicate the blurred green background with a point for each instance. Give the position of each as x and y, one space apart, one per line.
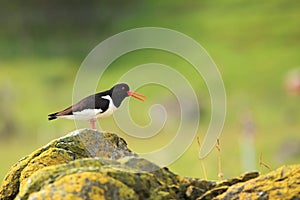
255 44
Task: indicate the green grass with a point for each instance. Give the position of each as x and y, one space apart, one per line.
253 44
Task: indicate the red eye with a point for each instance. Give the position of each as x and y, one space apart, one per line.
123 88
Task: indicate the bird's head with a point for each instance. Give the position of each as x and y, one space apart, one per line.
121 91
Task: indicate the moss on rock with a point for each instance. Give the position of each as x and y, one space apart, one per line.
83 185
76 145
88 164
283 183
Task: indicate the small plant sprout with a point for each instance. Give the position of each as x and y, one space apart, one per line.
261 163
220 174
201 159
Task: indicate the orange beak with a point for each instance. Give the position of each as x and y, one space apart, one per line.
136 95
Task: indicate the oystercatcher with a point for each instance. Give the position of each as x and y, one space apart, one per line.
98 105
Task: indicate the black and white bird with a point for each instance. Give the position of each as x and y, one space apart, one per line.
98 105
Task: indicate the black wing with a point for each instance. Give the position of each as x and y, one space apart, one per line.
91 102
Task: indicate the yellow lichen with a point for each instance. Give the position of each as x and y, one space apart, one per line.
283 183
52 156
86 185
90 165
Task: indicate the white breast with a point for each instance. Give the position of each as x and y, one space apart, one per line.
110 109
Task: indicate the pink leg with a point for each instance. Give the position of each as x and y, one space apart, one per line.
92 123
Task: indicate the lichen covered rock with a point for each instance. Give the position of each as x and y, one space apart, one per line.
88 164
283 183
77 145
223 186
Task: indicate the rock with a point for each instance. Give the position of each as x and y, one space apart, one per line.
283 183
88 164
77 145
222 186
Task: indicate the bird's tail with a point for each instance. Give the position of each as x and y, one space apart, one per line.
52 116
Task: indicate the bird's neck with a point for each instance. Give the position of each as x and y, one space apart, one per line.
117 100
